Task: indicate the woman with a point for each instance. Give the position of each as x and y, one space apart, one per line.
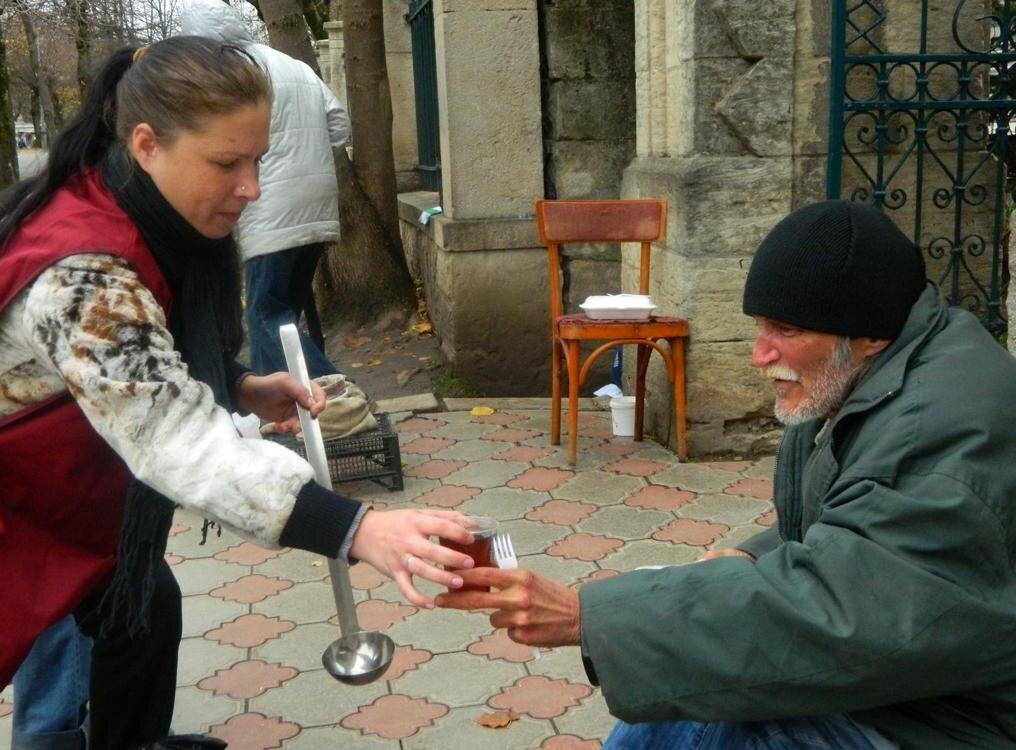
119 321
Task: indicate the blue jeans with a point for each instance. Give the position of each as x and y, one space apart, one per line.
278 289
832 732
51 690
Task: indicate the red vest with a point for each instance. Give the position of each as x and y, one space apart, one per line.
62 487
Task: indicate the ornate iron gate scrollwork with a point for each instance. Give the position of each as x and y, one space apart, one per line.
921 125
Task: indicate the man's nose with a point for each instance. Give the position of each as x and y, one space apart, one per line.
764 353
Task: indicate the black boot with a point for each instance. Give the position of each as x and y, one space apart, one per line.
187 742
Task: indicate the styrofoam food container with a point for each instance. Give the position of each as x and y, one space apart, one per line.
618 307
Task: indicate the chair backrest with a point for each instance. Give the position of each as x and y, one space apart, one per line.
563 222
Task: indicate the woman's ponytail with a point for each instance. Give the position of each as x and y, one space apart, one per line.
79 146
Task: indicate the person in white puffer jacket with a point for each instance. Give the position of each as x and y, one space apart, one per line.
283 234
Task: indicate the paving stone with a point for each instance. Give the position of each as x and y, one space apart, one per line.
297 566
458 730
203 613
250 630
395 717
586 458
463 430
695 478
440 630
432 681
199 658
300 648
487 474
419 425
541 479
501 418
435 469
188 543
524 453
727 465
250 589
498 646
582 546
405 661
564 662
626 523
738 534
649 552
560 569
201 575
255 731
692 532
418 403
502 503
425 445
246 554
196 710
598 487
413 488
636 467
530 538
317 738
303 603
473 450
562 512
727 509
540 697
509 404
247 679
447 496
314 698
590 721
761 489
655 497
511 434
763 468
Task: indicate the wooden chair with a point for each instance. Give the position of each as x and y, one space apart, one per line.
644 221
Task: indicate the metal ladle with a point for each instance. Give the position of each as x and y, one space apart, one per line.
359 656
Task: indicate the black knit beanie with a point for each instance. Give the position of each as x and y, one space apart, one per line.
836 267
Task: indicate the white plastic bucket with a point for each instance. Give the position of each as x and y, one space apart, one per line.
622 415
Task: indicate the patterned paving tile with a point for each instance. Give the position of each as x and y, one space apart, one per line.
561 512
739 534
511 434
529 538
500 418
650 552
199 658
418 425
196 710
625 523
591 720
201 575
376 614
187 541
297 566
435 469
247 679
487 474
459 731
696 478
432 679
413 488
541 479
524 453
255 731
598 487
366 577
250 630
313 698
498 645
395 717
203 613
173 559
463 430
585 547
333 736
727 465
447 496
303 603
540 697
441 631
473 450
689 531
405 660
655 497
587 459
560 569
251 589
763 468
597 575
635 467
246 553
569 742
503 504
766 519
301 648
727 509
426 445
619 447
759 488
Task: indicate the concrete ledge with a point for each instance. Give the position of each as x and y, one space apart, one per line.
503 404
456 236
422 402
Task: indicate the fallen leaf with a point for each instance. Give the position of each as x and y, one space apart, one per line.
356 364
317 564
423 328
424 359
355 342
481 411
374 362
406 375
497 719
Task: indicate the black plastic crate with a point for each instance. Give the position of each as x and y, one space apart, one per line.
370 455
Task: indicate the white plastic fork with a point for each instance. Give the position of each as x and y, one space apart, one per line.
504 556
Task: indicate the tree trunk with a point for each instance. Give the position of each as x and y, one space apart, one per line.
39 77
58 117
8 145
83 42
287 30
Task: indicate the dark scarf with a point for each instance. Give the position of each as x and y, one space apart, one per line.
204 277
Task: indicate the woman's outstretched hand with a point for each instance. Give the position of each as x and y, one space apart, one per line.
397 543
274 398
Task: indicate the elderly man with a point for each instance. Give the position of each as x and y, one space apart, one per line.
880 611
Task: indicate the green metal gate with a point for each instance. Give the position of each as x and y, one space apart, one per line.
421 22
921 125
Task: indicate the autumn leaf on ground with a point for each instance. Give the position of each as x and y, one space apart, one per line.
423 328
356 364
355 342
374 362
406 375
424 359
481 411
497 719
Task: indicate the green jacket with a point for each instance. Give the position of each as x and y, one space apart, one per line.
887 588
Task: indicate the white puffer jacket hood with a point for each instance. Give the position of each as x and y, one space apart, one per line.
299 201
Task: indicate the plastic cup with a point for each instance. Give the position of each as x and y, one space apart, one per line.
483 530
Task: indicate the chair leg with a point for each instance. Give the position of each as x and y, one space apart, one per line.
555 393
641 366
573 401
680 398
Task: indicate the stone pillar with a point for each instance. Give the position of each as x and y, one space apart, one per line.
336 60
488 72
714 99
399 56
323 52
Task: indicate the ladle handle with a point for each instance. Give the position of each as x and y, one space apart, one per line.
315 447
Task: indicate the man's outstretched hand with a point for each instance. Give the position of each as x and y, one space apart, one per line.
536 611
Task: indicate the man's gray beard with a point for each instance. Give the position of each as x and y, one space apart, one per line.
832 385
